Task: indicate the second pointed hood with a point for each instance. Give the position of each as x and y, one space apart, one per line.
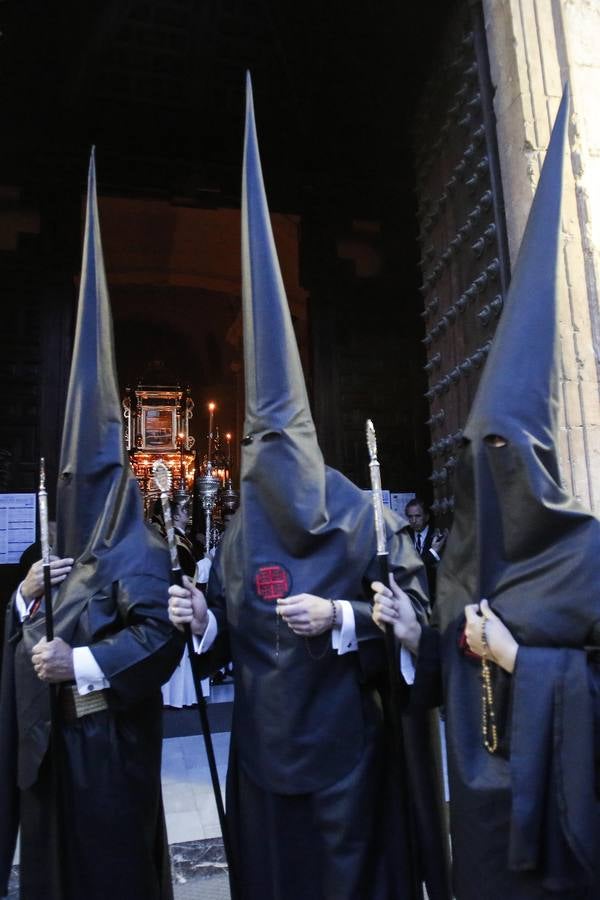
301 528
292 504
518 537
275 389
282 465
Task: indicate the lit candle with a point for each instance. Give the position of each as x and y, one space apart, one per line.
180 437
228 439
211 409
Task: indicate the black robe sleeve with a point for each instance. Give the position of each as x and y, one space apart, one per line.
143 654
427 690
219 654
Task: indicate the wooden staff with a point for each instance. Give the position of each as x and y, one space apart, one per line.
162 478
393 666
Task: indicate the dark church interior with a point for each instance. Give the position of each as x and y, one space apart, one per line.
157 87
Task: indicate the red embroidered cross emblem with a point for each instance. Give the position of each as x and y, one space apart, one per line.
272 582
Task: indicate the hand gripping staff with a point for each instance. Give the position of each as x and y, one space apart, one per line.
393 665
162 478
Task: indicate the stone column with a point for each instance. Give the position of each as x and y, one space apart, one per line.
534 47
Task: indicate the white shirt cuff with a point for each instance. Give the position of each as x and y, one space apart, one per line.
407 665
204 642
203 567
343 638
22 607
88 674
434 553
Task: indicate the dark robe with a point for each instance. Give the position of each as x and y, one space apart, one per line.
313 788
310 783
525 821
112 841
185 553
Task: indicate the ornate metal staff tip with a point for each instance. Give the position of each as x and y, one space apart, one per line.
42 473
371 439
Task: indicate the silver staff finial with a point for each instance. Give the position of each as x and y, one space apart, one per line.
371 440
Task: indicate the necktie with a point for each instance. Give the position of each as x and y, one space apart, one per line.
35 606
418 541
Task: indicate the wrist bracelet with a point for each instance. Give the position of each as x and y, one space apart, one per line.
333 613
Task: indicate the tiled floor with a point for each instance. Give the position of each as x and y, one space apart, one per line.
188 796
190 808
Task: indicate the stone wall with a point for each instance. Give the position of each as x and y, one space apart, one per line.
535 46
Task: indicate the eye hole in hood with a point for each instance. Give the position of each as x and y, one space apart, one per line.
495 440
270 436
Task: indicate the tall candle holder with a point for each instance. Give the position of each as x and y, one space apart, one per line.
208 489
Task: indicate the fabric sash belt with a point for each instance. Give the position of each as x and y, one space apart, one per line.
74 706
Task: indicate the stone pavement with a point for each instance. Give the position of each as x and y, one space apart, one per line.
198 872
216 888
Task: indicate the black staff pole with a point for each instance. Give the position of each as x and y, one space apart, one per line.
162 477
54 745
393 666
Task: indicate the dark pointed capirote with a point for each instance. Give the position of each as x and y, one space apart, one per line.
525 818
301 528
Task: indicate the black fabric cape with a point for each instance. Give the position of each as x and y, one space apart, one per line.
525 820
110 790
309 743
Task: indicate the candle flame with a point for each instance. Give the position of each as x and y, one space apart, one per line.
212 406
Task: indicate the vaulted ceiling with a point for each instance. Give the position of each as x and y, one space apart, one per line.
157 85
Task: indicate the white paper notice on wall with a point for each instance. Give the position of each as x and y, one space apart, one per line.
17 525
385 496
399 501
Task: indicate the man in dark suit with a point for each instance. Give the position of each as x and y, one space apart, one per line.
429 541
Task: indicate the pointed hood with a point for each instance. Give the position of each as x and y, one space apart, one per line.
99 510
518 538
301 528
275 390
281 457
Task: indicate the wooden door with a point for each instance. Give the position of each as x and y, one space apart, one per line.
462 236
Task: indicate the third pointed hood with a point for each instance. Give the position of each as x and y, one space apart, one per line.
518 537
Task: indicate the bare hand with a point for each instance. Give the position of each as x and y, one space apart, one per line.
33 585
438 540
187 605
391 606
53 662
501 646
307 614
